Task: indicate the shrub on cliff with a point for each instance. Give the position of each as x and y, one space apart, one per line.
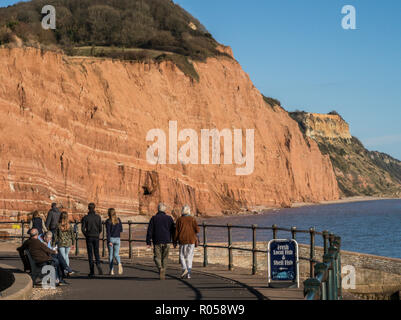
271 101
151 24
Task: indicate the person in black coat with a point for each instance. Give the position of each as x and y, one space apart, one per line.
91 226
160 231
53 217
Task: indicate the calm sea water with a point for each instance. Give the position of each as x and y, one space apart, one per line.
370 227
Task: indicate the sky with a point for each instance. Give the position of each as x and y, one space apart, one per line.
297 52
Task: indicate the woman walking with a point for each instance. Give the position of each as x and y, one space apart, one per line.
64 237
37 223
185 235
114 228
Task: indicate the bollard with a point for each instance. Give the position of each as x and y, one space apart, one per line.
129 240
230 250
312 251
274 227
293 232
76 239
205 262
254 257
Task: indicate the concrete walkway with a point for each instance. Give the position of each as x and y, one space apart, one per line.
140 281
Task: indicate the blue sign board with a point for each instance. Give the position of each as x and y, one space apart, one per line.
283 261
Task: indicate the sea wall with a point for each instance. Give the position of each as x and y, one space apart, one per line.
375 277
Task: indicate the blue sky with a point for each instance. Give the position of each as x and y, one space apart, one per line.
297 52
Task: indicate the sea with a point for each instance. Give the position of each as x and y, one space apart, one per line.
372 227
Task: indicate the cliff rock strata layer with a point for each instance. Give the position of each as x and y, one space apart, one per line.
74 130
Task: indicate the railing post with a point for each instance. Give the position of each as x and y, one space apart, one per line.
312 251
321 268
254 257
23 231
230 250
334 252
205 258
294 232
274 227
76 239
331 239
325 239
103 238
129 240
329 259
337 241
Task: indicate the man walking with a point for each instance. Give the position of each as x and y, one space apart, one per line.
91 226
53 218
185 234
160 232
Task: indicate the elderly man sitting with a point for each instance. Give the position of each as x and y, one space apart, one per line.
41 254
64 268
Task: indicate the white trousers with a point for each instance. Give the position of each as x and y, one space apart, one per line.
186 255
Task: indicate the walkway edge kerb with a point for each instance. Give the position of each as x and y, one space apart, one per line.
21 289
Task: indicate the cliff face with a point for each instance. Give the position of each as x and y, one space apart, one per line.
326 126
74 130
359 171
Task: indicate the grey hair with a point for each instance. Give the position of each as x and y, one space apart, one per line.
33 232
161 207
186 210
49 234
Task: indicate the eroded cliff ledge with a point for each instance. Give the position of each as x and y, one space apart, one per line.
74 130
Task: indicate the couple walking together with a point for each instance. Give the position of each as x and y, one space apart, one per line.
162 231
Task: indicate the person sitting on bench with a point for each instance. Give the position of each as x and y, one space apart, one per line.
47 240
41 254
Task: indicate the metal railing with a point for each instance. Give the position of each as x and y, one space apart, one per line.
326 283
323 275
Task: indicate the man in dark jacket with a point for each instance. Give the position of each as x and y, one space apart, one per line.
42 254
160 232
53 218
91 225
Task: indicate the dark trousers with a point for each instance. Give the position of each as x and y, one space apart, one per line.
92 246
63 264
160 252
56 264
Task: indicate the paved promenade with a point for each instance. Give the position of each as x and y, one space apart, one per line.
140 281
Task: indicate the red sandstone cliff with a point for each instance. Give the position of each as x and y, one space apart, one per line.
74 130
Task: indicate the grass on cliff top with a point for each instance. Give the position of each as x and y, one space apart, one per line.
139 55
